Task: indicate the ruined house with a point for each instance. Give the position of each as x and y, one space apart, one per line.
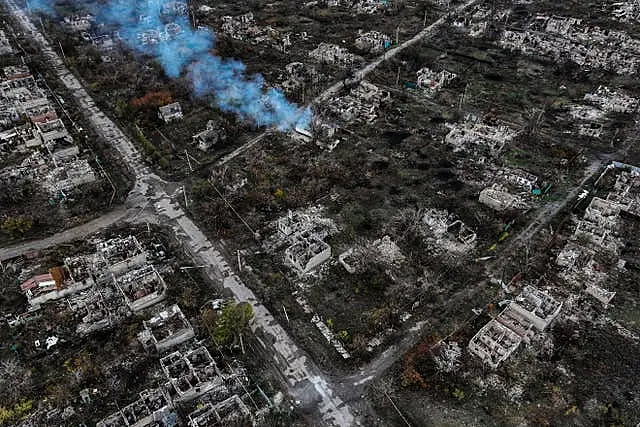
169 113
611 101
498 198
78 22
372 41
166 329
238 27
122 253
494 343
362 103
191 374
142 287
473 134
5 46
530 313
307 253
431 82
333 54
151 409
174 8
231 411
213 134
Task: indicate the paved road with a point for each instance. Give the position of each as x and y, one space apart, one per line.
149 201
428 31
79 232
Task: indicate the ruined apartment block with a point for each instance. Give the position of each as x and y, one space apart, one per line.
191 374
530 313
166 329
151 409
231 411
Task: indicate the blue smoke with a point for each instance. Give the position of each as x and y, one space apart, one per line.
153 28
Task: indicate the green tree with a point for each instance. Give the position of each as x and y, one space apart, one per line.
16 226
226 327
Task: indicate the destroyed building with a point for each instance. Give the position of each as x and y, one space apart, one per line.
597 233
166 329
231 411
238 27
171 112
611 101
443 232
497 197
327 53
142 287
430 82
151 409
307 253
563 38
122 254
191 374
372 41
475 135
297 76
212 135
5 46
303 233
78 22
530 313
361 104
53 160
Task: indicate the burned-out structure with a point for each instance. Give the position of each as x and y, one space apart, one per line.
213 134
597 235
530 313
34 133
166 329
303 233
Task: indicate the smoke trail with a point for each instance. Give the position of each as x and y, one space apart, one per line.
154 27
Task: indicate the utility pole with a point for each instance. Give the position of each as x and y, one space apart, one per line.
424 23
398 76
188 161
397 34
62 50
184 193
